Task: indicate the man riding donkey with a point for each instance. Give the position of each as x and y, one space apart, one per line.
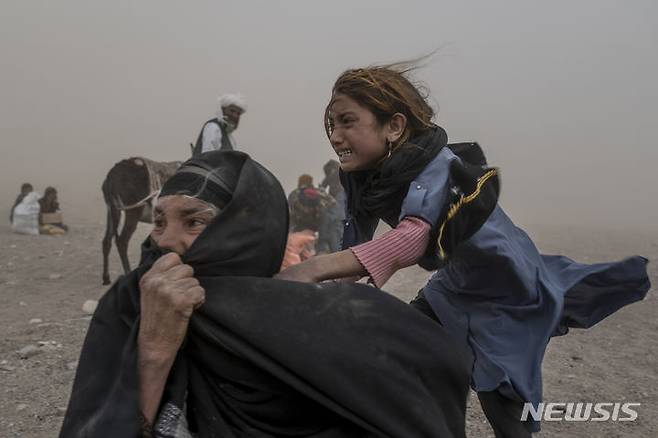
132 184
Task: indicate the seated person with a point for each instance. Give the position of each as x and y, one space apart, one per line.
200 341
25 214
25 189
50 217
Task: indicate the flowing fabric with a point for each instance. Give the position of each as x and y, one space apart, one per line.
507 300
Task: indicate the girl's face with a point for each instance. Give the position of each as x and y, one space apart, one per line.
355 134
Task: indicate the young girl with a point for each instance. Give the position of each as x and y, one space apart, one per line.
493 290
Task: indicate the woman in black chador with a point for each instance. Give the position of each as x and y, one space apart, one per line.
199 340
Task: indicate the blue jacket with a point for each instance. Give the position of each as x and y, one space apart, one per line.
425 199
501 296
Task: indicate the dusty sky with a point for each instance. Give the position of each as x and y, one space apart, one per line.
561 94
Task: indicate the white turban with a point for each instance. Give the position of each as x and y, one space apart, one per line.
230 99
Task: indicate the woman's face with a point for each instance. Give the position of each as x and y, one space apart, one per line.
355 134
178 220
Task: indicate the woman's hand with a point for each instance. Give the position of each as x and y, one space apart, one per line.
168 294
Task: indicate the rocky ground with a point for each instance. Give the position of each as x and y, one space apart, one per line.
44 282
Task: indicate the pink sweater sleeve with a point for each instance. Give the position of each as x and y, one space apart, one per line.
394 250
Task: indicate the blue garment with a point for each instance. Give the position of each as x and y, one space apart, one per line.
503 298
507 300
425 199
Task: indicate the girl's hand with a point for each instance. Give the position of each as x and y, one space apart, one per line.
302 272
337 265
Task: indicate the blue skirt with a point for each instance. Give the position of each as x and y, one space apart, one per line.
504 299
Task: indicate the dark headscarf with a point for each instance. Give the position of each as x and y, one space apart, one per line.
211 179
379 193
266 357
48 203
248 237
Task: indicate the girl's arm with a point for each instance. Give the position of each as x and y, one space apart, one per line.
380 258
396 249
325 267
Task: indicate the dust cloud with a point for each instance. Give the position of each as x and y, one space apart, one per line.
561 95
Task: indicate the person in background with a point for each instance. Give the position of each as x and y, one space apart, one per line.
49 207
305 205
25 189
331 222
217 133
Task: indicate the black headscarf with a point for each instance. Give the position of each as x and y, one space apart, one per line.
378 193
266 357
211 179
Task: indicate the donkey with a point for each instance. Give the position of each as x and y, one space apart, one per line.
130 187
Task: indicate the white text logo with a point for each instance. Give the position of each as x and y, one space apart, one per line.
580 411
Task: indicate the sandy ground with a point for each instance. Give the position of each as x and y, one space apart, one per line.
44 282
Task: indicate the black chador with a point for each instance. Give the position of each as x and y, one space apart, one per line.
265 357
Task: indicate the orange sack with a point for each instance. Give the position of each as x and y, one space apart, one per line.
299 247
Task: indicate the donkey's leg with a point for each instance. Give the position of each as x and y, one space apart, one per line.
113 216
130 224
